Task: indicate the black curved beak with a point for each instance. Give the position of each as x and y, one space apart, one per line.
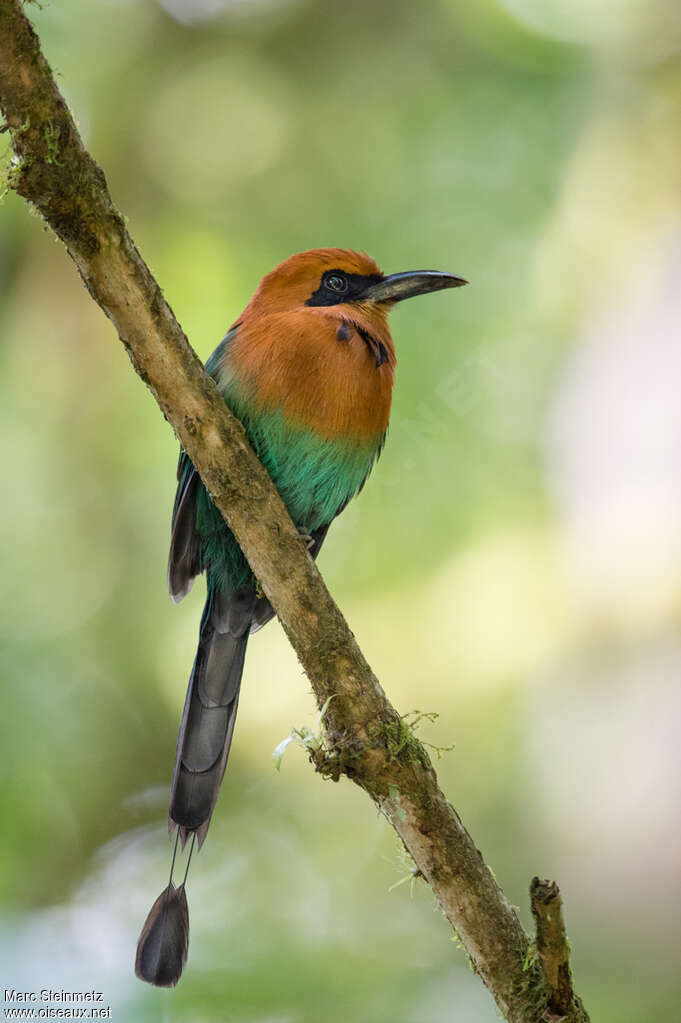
397 287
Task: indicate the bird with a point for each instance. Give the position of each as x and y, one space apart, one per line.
308 368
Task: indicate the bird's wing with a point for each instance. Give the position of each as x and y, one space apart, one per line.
184 558
184 562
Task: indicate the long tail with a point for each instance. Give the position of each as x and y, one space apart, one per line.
202 749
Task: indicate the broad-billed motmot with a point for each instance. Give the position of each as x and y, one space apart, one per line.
308 368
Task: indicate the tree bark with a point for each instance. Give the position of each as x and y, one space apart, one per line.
364 737
553 950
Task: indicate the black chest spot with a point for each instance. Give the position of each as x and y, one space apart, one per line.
375 347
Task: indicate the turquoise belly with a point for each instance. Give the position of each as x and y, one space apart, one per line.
315 477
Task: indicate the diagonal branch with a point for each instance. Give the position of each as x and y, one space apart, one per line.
365 738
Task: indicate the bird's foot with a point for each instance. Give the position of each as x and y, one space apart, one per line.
306 538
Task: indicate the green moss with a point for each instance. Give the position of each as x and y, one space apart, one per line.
52 134
531 957
402 744
412 873
530 988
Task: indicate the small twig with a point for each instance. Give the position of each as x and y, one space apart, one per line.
553 949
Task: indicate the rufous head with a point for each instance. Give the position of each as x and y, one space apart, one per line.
342 278
314 340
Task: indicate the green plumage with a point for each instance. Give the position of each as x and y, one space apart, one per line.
316 477
335 371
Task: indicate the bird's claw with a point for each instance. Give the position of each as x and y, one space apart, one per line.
306 538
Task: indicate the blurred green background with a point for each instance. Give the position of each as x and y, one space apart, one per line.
514 563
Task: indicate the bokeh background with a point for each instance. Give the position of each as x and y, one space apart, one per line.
514 564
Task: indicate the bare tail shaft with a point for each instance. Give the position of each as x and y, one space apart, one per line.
203 746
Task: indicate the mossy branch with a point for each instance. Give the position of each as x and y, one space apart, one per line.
364 734
553 950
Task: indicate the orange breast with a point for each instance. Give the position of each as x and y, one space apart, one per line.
315 365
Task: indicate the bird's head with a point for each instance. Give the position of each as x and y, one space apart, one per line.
346 280
314 339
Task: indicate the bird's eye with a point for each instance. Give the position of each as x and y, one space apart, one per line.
335 282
